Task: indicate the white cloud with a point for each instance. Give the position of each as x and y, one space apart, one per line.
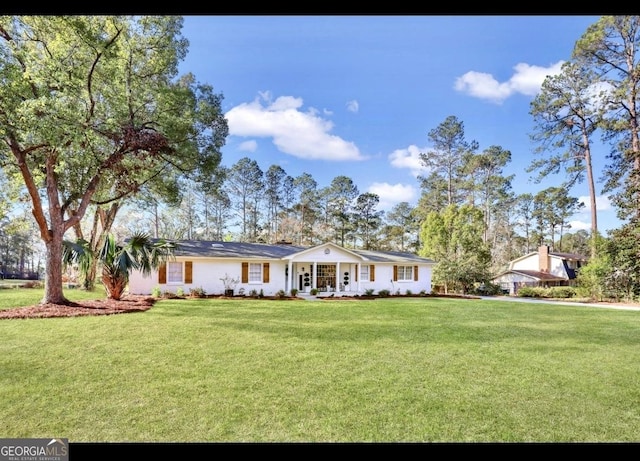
392 194
353 106
602 203
248 146
579 225
408 158
301 134
483 86
526 80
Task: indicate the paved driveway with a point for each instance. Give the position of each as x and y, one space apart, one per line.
627 307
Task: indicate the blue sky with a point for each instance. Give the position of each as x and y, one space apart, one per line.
358 95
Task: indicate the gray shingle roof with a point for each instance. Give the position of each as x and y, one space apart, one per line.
218 249
542 276
392 256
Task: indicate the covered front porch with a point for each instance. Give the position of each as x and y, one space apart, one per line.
329 269
325 277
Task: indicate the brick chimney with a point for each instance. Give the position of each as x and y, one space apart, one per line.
543 255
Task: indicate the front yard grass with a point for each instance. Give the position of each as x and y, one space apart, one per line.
385 370
19 297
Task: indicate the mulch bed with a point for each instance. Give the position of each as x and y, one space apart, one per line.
74 309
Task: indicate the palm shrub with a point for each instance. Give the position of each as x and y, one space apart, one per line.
117 260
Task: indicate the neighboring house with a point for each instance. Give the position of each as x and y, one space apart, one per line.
267 269
542 268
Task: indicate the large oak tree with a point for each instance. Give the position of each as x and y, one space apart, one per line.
92 110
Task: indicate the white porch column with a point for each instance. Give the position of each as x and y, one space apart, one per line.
337 281
358 276
290 275
314 277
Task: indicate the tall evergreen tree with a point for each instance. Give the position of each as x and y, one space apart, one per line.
567 112
405 228
306 208
367 218
245 184
446 159
274 195
342 194
610 49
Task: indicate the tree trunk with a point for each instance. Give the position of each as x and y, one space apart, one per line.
53 273
53 236
592 204
92 272
88 283
102 223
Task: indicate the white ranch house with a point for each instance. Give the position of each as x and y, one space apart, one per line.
269 268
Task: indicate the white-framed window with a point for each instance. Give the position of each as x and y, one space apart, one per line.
174 272
405 273
255 272
364 273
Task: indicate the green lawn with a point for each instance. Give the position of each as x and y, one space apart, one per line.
384 370
15 297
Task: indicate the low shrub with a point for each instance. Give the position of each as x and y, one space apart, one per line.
560 292
530 292
550 292
198 292
487 289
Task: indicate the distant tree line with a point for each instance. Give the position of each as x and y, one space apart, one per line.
467 215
